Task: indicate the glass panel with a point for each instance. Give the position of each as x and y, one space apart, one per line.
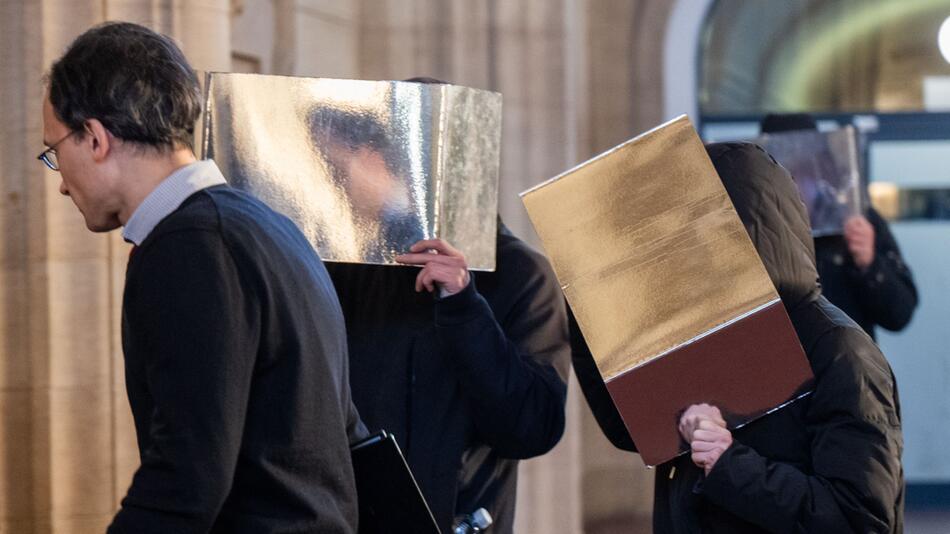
924 164
919 353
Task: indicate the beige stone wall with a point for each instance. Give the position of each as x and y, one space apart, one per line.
296 37
67 447
578 76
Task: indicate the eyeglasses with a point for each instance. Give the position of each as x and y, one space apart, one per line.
48 156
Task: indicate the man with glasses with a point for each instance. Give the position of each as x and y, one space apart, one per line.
235 350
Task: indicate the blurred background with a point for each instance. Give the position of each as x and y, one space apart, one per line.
578 77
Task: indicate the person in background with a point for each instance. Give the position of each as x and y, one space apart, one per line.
234 342
862 271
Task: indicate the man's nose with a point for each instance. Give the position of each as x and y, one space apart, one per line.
63 190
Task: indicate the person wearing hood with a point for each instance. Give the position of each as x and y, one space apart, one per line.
829 462
862 271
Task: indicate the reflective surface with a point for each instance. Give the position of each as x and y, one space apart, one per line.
647 247
364 168
825 169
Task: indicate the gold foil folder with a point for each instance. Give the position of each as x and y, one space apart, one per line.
648 248
364 168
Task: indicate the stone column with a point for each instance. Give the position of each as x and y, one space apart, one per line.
22 213
70 331
67 447
625 99
315 38
201 27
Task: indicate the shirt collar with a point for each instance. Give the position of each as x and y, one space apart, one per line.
168 196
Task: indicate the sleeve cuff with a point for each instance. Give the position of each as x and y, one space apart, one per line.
718 478
458 307
871 277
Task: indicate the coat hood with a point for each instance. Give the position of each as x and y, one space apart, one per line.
773 214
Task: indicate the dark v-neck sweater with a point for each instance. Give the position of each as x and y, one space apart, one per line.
236 372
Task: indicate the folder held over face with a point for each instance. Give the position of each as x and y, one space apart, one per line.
364 168
667 288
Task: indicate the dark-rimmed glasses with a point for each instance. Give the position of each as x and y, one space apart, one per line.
48 156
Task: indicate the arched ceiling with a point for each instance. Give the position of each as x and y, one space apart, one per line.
819 55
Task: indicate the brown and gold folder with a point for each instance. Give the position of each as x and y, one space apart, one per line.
667 288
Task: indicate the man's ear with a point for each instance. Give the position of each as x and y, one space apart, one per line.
100 139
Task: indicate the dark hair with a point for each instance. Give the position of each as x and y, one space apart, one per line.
350 129
133 80
787 122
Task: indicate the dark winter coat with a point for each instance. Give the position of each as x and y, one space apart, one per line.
827 463
883 294
468 384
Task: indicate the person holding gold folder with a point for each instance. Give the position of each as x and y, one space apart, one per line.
829 462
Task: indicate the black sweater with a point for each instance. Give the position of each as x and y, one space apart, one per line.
468 384
236 373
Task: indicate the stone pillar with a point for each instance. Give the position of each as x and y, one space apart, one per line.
315 38
201 27
625 99
70 330
22 214
649 22
67 446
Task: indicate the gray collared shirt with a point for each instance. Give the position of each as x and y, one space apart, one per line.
169 194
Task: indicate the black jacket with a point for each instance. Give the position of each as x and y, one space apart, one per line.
827 463
883 294
468 384
236 371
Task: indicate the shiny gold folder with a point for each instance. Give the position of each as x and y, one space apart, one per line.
665 283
